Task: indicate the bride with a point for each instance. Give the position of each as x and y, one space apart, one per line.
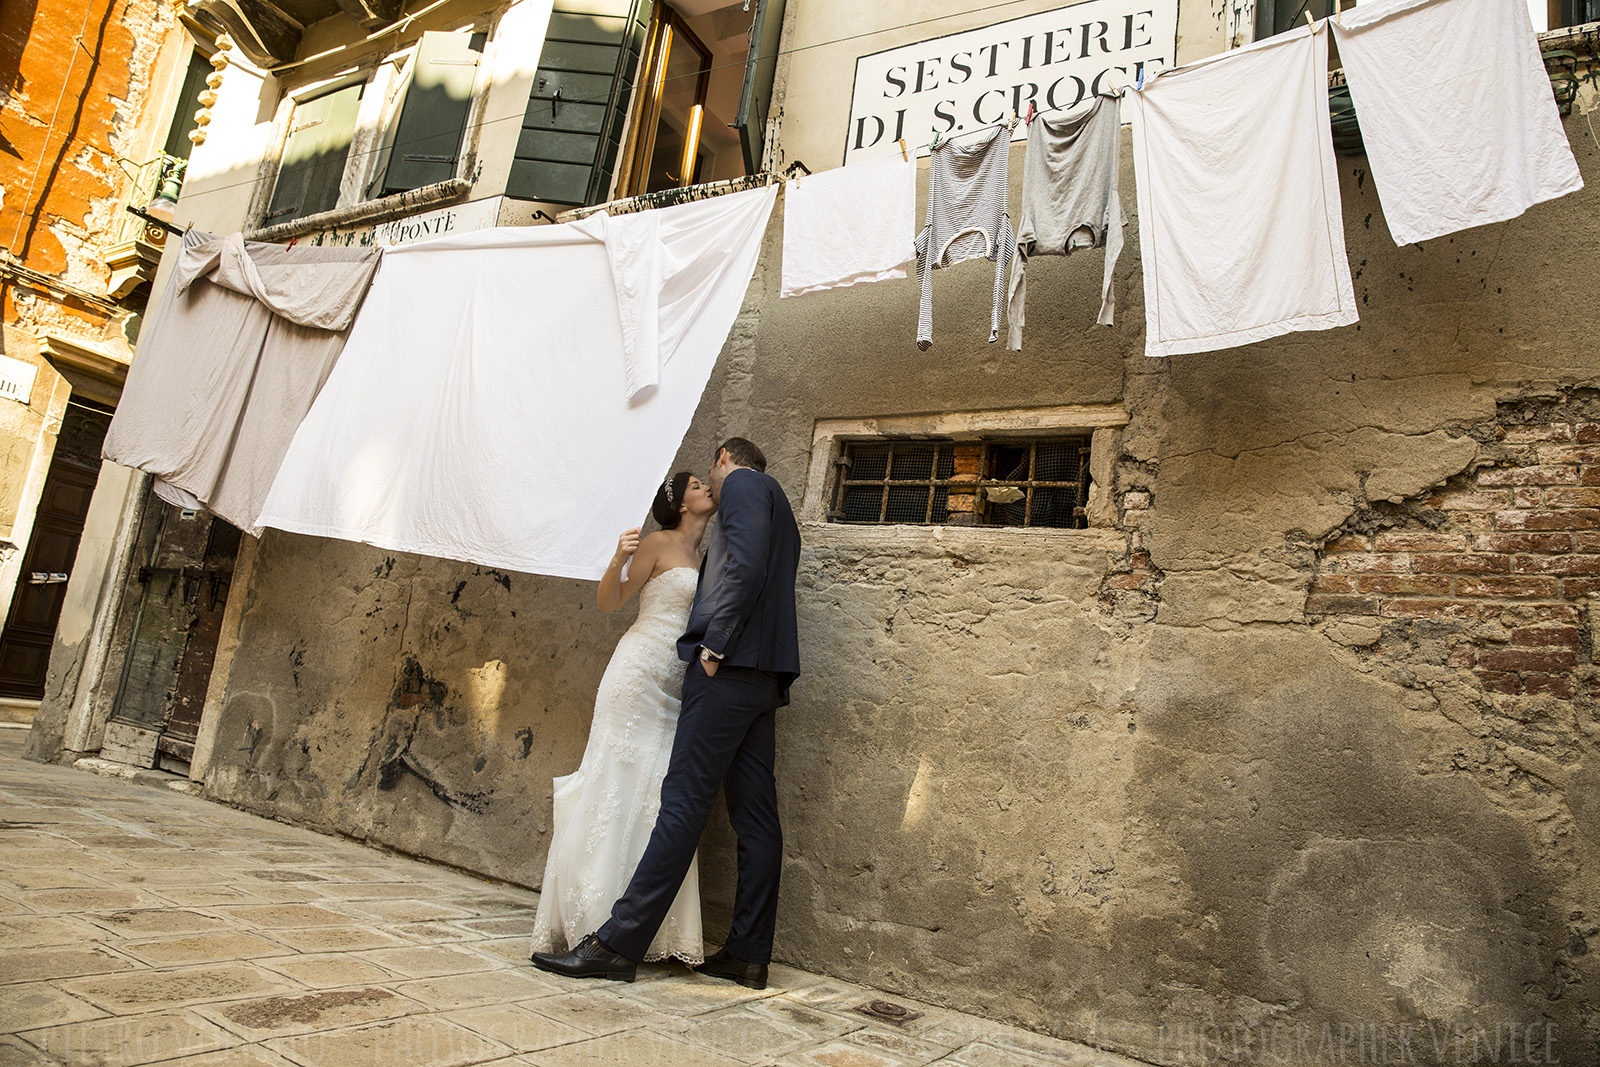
605 810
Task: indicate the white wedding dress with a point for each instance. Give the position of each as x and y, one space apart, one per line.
605 810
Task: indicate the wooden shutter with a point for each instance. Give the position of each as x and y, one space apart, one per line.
755 97
433 116
314 155
572 130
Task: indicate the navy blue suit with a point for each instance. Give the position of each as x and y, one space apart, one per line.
743 609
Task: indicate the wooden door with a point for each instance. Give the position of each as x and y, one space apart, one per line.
30 627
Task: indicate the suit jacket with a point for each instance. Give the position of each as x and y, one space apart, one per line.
744 605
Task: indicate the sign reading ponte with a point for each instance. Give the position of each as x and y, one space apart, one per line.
964 81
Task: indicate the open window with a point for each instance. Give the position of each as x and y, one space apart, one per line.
633 97
1560 14
671 108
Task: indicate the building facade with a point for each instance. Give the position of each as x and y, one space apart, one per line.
1245 697
96 102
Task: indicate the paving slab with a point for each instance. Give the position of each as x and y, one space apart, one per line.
43 964
429 961
142 926
146 922
26 1005
144 990
131 1040
327 970
517 1028
28 930
597 1013
15 1052
486 987
298 1013
416 1041
202 948
633 1049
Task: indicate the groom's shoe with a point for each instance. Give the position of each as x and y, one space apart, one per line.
590 959
722 965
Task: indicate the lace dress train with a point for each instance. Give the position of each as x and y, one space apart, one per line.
605 810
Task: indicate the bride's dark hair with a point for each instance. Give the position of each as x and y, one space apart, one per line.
669 500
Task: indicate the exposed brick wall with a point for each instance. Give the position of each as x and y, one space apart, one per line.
1498 563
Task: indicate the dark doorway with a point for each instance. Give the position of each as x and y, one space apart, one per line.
30 627
183 595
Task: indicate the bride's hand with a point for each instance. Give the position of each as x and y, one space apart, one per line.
627 544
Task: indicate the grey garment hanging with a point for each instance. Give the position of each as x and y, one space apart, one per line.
229 363
966 220
1069 201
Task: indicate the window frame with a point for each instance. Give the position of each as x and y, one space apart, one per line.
295 101
1100 423
385 79
968 487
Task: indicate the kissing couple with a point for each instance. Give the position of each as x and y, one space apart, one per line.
621 885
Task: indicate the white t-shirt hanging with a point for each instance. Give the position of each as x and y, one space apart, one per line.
1456 112
850 225
1240 232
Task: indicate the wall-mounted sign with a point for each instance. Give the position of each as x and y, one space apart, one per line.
964 81
16 379
457 218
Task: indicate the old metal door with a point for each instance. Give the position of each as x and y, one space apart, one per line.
166 673
30 627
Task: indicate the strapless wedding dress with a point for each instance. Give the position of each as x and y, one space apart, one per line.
605 810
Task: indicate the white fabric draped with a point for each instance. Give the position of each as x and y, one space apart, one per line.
481 410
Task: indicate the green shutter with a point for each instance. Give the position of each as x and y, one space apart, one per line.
433 118
573 125
314 155
194 83
755 97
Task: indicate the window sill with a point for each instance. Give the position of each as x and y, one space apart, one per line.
1578 38
887 537
669 197
382 210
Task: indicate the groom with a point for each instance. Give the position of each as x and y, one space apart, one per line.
743 652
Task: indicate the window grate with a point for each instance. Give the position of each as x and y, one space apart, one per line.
1030 482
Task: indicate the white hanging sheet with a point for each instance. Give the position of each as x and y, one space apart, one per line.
1456 112
480 410
1240 232
850 225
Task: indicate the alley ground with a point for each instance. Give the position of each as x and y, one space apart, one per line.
139 925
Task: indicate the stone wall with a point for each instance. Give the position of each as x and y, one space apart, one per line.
1245 761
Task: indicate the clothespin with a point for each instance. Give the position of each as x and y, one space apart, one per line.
937 137
1309 20
1011 120
904 155
1033 109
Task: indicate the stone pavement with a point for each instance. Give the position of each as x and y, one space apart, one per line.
139 925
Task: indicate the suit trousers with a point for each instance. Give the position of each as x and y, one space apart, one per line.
726 738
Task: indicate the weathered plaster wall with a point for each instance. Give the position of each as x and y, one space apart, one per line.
1128 785
1137 785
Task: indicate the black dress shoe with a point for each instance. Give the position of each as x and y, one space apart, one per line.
722 965
590 959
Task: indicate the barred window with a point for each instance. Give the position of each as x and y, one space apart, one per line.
1000 482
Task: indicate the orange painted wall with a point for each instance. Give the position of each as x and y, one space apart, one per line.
73 74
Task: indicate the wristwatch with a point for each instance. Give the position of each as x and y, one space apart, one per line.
708 656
